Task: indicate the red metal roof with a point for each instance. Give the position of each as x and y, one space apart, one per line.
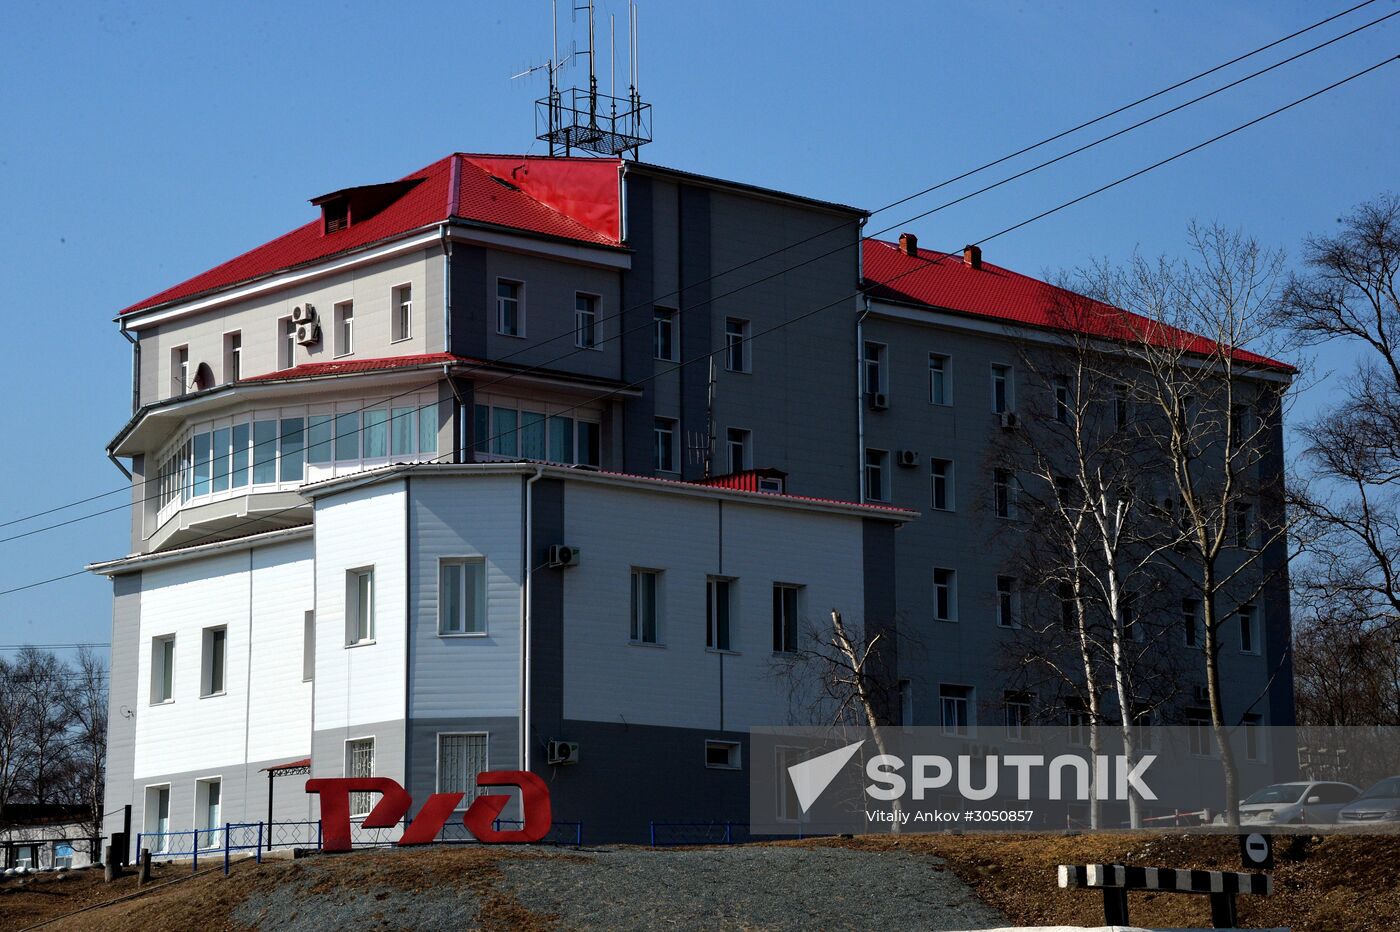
944 281
570 198
311 370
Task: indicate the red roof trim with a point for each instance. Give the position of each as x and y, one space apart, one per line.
313 370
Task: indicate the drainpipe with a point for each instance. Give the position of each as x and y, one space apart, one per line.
446 290
527 535
135 367
860 397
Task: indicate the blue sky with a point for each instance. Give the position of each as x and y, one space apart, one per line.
145 142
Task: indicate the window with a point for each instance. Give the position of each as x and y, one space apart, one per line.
402 301
736 346
1063 410
163 669
359 606
1002 400
1198 733
158 816
1016 713
1068 616
586 321
215 661
955 709
460 758
719 610
941 472
1190 622
665 452
1253 745
1006 602
1077 722
874 367
876 467
233 356
359 762
345 328
945 595
722 755
1249 630
939 385
180 370
510 309
1120 406
286 343
646 606
665 345
308 647
1239 424
1244 526
906 704
785 615
207 798
462 596
1001 493
740 452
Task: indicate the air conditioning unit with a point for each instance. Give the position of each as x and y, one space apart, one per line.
562 555
908 457
879 401
1007 420
308 333
561 752
304 314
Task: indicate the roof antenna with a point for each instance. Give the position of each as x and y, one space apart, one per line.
582 118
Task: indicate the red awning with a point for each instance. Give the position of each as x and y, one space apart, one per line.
303 764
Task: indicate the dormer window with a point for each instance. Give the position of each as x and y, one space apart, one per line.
335 215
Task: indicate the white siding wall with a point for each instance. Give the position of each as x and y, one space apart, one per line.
362 684
212 733
607 679
468 676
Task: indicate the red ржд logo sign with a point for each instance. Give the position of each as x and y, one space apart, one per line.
394 802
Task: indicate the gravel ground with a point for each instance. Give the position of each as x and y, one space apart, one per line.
747 888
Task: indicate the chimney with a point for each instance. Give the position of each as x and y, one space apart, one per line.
909 244
972 256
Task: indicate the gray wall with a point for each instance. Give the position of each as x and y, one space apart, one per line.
123 696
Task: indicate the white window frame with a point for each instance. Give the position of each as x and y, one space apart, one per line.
353 624
162 668
180 369
344 317
1003 493
734 751
1248 615
951 585
881 467
460 563
781 621
1016 731
233 355
712 603
361 803
874 365
401 309
201 812
206 662
945 371
669 319
586 319
286 343
905 691
152 825
636 628
1191 624
1064 400
1007 596
741 437
949 500
737 341
968 701
1009 375
471 791
519 299
672 428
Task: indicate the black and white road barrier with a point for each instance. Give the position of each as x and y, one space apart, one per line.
1115 880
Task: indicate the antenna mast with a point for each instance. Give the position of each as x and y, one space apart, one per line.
569 119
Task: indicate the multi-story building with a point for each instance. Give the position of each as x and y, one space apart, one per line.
362 453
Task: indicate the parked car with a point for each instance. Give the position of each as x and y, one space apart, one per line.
1309 802
1381 803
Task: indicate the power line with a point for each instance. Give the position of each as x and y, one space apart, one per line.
844 298
903 200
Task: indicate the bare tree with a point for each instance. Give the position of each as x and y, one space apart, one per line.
1349 295
1216 412
85 705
